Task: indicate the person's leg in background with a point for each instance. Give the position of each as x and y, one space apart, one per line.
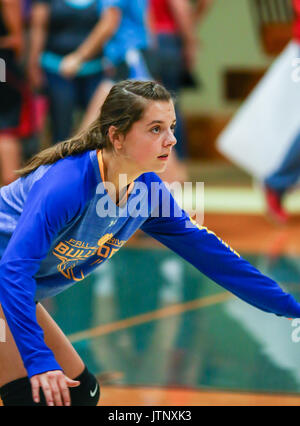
62 104
92 91
168 72
281 181
96 102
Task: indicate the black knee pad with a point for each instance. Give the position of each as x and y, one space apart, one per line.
18 392
88 393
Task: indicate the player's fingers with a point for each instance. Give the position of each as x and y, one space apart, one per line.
65 391
56 391
72 383
35 387
47 390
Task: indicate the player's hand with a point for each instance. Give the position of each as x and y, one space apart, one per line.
70 65
55 385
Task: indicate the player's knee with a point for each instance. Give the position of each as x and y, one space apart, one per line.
88 392
18 392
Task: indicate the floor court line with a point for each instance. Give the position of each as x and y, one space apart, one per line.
139 396
166 312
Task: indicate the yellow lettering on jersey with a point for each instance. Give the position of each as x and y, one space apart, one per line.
77 279
104 253
72 252
62 248
104 239
210 232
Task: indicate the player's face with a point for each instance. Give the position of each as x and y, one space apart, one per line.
149 142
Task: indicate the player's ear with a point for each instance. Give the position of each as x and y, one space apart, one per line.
115 138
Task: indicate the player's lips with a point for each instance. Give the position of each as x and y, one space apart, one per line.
164 156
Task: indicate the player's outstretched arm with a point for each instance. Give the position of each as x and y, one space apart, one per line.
217 260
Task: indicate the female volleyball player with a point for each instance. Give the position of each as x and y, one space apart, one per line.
70 211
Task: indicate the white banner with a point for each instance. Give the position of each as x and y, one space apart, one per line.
262 130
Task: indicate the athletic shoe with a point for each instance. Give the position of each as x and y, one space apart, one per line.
274 206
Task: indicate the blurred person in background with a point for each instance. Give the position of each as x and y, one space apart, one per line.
11 88
133 53
287 175
127 54
263 136
174 25
58 28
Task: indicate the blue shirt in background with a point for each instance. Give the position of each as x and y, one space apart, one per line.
132 33
70 23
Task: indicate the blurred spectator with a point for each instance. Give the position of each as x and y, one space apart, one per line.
12 88
131 53
173 23
127 54
26 6
59 28
288 173
128 31
263 136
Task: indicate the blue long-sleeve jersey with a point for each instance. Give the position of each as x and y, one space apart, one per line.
58 224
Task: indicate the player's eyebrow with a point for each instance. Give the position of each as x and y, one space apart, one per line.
155 122
158 122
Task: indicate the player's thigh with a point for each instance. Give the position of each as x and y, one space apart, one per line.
55 339
11 365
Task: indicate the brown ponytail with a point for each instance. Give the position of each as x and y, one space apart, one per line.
124 105
87 140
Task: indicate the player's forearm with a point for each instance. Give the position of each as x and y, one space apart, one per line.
223 265
103 31
19 310
219 262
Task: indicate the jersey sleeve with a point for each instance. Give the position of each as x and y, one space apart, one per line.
51 203
216 259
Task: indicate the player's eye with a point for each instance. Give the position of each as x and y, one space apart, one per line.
155 129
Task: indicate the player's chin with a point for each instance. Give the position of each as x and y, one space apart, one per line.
160 169
160 165
157 166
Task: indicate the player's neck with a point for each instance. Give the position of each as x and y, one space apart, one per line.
114 166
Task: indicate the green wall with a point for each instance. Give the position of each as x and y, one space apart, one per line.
229 39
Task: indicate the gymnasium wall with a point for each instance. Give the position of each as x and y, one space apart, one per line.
229 63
